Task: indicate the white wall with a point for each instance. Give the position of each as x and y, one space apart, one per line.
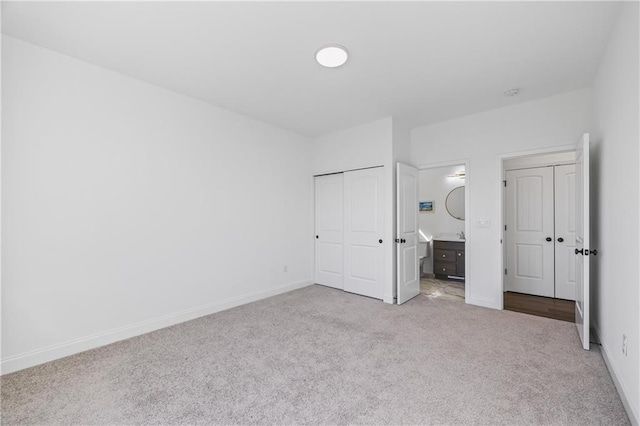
435 185
354 148
127 207
483 139
616 204
368 145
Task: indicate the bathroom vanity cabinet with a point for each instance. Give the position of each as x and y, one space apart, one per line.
448 259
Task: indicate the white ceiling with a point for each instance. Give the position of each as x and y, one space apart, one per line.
422 62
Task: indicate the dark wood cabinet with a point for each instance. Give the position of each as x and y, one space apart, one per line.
448 259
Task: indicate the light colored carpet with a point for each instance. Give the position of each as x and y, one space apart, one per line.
323 356
442 289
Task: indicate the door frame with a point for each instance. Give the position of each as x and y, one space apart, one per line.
467 208
502 196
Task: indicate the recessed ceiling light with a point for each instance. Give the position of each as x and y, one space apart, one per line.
511 92
332 55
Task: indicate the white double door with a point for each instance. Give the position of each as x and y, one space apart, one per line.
541 231
349 238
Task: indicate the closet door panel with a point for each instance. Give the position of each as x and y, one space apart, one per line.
530 231
329 227
565 221
363 232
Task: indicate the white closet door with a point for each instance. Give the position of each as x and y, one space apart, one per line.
407 232
329 218
565 244
530 231
364 226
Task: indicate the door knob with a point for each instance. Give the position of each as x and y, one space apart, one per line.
581 251
549 238
317 237
380 241
560 239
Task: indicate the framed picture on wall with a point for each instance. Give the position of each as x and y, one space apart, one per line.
426 207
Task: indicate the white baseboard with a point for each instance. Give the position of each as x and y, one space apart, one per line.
633 416
50 353
484 302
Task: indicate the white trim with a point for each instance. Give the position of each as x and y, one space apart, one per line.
50 353
439 164
538 151
467 222
633 417
1 145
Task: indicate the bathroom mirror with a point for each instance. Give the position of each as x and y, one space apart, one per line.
455 203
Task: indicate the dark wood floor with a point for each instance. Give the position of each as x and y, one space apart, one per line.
541 306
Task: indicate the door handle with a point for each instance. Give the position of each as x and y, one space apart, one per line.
587 252
549 238
317 237
380 241
560 239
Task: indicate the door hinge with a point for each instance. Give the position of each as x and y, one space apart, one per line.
505 227
505 183
505 272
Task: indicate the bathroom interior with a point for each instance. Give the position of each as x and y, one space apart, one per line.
442 239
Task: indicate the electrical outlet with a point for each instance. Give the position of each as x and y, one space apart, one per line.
625 344
285 269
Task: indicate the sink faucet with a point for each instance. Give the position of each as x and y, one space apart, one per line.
461 235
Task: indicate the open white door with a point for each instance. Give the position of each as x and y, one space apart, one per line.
407 233
582 240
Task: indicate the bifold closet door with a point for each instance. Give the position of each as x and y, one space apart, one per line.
364 232
530 231
329 225
565 244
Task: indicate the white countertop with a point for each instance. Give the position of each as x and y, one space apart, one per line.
454 238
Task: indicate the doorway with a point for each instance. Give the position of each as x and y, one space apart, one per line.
539 235
443 230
